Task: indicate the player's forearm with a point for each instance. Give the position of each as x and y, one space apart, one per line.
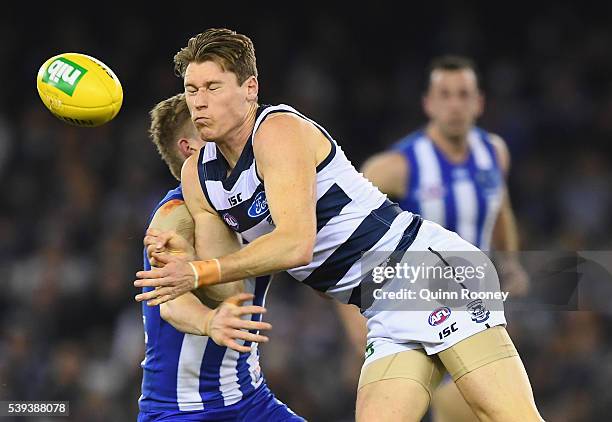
186 313
271 253
505 233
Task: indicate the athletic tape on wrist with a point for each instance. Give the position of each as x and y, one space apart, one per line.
203 272
195 274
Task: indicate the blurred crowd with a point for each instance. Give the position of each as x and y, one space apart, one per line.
75 201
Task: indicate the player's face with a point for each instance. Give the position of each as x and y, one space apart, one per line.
216 102
453 101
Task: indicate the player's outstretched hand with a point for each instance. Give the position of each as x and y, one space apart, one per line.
175 278
167 242
227 328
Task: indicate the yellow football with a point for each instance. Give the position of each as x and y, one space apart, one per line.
79 89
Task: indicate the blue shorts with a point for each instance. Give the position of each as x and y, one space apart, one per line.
259 406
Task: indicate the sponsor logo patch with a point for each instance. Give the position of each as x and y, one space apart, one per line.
64 75
259 206
231 221
478 311
439 315
448 331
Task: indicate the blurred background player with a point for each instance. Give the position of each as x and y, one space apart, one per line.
452 172
188 372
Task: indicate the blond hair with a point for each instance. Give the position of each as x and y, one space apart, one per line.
232 51
168 120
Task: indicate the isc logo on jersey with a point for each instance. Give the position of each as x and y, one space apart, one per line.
79 89
438 316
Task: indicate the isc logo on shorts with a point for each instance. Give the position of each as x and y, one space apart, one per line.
438 316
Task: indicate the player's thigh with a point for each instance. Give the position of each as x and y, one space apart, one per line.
448 405
491 377
397 387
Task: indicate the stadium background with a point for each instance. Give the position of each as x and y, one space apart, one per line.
75 201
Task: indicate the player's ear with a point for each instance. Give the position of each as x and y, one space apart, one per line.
252 86
184 147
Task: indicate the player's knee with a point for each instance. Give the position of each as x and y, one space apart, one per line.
509 398
448 405
488 414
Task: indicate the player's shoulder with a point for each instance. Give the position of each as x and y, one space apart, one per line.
171 205
496 140
173 195
393 159
172 214
390 160
407 142
176 193
281 122
168 204
500 147
286 131
386 168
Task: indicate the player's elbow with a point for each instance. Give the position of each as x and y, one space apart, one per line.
303 254
301 251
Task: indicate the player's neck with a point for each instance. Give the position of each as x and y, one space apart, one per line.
232 145
455 149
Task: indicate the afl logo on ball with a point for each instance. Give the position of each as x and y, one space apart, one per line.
438 316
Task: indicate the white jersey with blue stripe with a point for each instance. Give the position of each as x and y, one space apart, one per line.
465 197
353 216
187 372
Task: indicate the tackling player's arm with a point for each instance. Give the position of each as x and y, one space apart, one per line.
505 233
288 165
287 150
187 313
505 236
286 159
389 172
